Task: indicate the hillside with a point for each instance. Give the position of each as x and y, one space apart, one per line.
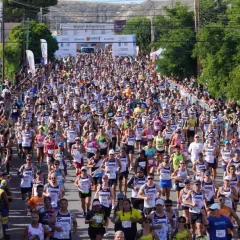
75 11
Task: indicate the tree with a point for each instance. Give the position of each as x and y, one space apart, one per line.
219 53
15 9
37 31
177 38
141 26
12 52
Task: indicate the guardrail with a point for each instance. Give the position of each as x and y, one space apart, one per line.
190 96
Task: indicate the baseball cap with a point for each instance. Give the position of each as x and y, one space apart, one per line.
84 169
47 200
186 181
197 182
60 144
111 152
196 136
139 169
227 178
4 183
91 134
215 206
226 142
39 171
77 138
4 174
160 201
139 120
207 173
120 195
200 154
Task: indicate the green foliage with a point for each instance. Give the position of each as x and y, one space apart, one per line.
177 37
37 31
219 53
141 26
12 54
15 10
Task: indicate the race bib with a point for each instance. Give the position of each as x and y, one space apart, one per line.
126 224
98 219
220 233
50 151
181 184
142 164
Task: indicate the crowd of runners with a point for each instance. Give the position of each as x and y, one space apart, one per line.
122 128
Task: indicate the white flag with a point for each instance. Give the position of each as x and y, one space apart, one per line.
31 62
44 50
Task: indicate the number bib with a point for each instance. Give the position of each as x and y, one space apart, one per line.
126 224
221 233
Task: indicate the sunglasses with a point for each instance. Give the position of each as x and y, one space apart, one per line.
212 210
48 201
147 222
182 163
29 159
181 221
150 178
120 198
53 178
221 199
56 164
168 205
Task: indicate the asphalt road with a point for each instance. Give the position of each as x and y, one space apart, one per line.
18 218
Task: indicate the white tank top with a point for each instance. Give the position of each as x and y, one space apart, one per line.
33 232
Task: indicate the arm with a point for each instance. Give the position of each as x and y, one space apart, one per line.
52 223
74 223
25 233
234 215
46 233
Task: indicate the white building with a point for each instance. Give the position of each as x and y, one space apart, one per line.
78 29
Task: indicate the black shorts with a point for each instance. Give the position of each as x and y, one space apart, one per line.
190 133
93 232
210 202
213 165
26 190
107 210
178 188
103 151
89 155
27 148
195 218
97 180
20 146
112 182
139 141
161 152
137 203
85 195
69 145
185 208
129 149
167 142
123 175
146 211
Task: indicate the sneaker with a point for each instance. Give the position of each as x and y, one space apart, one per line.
84 214
106 234
112 207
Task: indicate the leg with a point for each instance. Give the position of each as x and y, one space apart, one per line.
88 202
83 204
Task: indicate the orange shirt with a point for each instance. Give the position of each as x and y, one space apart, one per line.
36 202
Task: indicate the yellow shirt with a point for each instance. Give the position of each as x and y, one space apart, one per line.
138 110
127 215
147 237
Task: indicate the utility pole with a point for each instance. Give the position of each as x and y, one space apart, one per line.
27 34
197 26
3 41
152 26
41 15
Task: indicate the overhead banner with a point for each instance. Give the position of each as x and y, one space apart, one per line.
97 39
44 50
31 62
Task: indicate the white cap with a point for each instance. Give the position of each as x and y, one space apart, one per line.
160 201
111 152
215 206
227 178
84 168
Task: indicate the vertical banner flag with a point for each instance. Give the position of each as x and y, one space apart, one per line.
44 50
31 62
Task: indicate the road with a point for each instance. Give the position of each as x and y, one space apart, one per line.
18 218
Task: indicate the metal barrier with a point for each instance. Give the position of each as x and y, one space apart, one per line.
190 96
